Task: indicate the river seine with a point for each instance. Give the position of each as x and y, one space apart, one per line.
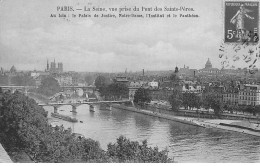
185 143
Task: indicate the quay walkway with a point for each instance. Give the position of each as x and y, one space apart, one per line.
231 125
4 157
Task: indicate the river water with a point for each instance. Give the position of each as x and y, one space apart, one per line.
185 143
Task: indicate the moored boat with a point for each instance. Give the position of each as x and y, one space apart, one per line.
64 117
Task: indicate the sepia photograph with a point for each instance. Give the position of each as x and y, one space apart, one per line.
129 81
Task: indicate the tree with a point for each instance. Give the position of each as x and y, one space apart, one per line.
142 96
175 80
118 90
125 150
195 101
175 100
213 100
92 151
100 81
89 79
186 100
21 119
49 86
190 100
24 127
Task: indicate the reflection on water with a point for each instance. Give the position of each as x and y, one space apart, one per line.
184 142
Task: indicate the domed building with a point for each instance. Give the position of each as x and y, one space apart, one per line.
209 70
208 64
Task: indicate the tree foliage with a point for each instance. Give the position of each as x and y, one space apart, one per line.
89 79
114 90
21 118
176 100
24 127
125 150
213 100
100 82
142 96
49 86
191 100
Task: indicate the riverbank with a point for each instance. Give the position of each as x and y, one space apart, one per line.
231 125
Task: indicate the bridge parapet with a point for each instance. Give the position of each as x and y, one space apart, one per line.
12 89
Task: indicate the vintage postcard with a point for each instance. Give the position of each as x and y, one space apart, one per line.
129 81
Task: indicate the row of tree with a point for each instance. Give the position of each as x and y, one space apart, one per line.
111 90
243 108
114 91
49 86
186 100
24 127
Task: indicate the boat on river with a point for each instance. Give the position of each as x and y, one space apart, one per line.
64 117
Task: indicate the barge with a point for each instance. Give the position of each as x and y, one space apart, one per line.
64 117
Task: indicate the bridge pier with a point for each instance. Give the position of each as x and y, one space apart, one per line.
91 108
74 108
55 109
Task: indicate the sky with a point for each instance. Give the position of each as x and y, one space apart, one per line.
29 36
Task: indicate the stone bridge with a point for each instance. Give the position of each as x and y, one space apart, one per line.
12 88
90 88
76 104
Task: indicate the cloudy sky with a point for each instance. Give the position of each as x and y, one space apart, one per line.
28 36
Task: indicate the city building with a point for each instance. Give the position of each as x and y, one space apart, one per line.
121 79
191 88
231 96
187 72
133 87
64 80
153 84
249 95
209 70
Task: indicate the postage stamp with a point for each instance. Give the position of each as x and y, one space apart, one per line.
241 21
240 45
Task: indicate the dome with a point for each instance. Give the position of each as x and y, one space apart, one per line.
13 69
208 64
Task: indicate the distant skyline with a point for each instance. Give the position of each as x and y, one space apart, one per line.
28 37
